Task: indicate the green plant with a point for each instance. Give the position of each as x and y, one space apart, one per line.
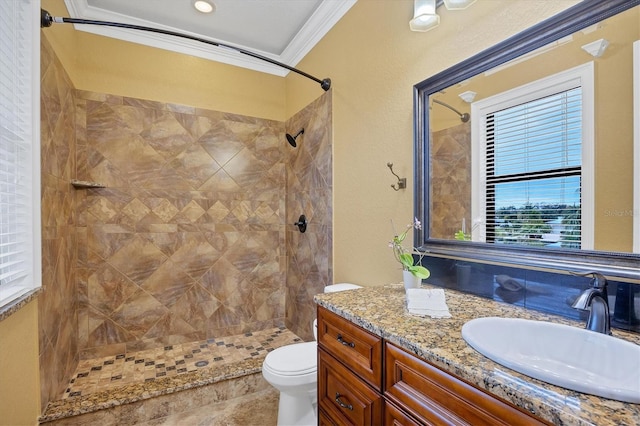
460 235
404 256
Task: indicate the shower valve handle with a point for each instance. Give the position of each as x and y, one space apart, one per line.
301 223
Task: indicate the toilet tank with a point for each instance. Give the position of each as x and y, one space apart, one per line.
340 287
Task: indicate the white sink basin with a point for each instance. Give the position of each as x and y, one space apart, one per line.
570 357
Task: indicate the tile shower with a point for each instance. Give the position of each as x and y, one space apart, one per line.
191 238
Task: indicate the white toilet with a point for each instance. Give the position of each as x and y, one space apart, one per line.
293 370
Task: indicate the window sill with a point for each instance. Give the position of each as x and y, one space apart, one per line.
15 305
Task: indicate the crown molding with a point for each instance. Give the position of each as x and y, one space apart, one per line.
322 20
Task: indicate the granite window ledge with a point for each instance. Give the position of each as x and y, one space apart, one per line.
15 305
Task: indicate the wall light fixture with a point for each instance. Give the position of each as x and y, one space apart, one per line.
458 4
424 16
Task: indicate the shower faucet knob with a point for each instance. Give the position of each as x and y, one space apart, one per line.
301 223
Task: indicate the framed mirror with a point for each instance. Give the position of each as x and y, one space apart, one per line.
568 202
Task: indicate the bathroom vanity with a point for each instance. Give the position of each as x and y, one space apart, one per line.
379 365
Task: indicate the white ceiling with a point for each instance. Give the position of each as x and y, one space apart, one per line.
283 30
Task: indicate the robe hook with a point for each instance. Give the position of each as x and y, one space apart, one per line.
402 182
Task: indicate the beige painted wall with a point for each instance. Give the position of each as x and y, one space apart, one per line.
374 61
106 65
19 381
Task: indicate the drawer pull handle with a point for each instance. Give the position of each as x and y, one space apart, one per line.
344 342
342 404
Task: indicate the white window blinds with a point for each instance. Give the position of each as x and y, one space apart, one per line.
533 172
19 149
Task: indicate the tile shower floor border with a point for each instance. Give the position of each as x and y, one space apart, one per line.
107 382
101 374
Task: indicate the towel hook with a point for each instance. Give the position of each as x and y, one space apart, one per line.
402 182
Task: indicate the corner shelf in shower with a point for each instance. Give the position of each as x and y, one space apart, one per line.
83 184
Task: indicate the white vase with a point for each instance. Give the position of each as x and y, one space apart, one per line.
410 280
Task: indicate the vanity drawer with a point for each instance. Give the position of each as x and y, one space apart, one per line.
435 397
355 347
343 397
395 416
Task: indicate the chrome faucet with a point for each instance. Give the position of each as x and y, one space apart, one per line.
595 300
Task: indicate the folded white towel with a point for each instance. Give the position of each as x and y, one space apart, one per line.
431 302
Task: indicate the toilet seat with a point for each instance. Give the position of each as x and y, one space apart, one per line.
293 360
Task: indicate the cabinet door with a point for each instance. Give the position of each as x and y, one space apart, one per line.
324 419
354 346
343 397
435 397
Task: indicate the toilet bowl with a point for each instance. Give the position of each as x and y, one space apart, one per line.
293 371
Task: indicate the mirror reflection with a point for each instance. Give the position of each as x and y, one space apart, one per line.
539 151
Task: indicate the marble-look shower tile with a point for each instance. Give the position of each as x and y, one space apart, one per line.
168 283
245 169
103 331
165 134
309 191
137 259
194 165
220 142
155 214
222 182
108 289
57 307
140 312
451 174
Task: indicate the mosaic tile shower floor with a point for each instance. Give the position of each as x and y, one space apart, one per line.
103 374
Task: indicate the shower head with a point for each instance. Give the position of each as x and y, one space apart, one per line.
292 139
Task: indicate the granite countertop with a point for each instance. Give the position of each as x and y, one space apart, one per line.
381 310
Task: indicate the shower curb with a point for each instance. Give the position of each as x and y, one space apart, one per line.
158 398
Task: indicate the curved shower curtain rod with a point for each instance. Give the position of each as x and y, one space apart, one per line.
46 20
463 115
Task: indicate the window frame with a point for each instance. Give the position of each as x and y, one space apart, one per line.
581 76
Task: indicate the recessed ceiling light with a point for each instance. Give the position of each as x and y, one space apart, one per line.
204 6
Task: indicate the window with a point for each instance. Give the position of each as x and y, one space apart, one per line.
530 146
19 149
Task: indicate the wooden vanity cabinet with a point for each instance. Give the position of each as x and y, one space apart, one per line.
434 397
355 387
349 372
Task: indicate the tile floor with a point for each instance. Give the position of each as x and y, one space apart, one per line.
101 374
255 409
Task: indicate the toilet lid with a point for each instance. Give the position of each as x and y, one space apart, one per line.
293 360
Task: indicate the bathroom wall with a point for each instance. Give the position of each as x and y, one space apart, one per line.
374 60
309 192
451 181
186 242
57 303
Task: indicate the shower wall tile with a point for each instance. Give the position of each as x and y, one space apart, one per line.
309 192
186 242
450 181
57 303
